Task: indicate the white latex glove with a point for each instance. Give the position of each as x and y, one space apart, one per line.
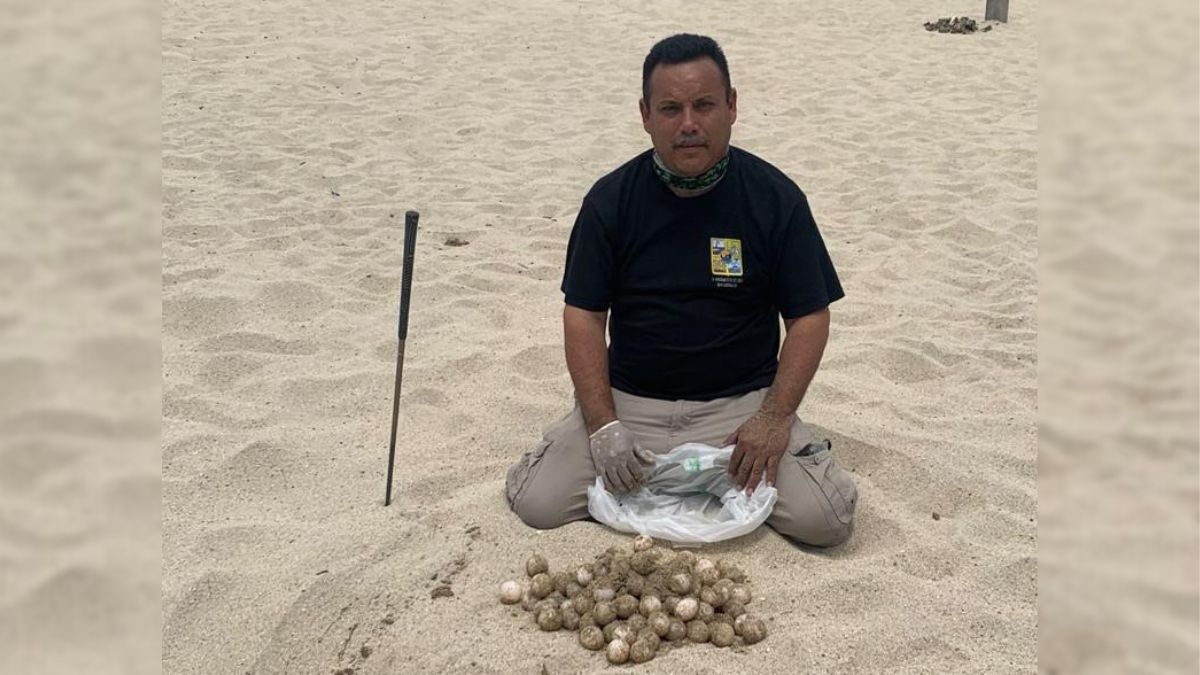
618 457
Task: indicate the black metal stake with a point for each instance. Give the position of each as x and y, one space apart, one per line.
410 245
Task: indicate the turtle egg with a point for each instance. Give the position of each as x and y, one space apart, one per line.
686 609
570 620
542 605
541 585
621 566
685 558
735 609
603 594
697 631
561 579
677 630
649 604
739 623
660 623
626 606
536 565
642 651
642 543
591 637
617 652
732 572
723 595
635 584
707 571
583 575
604 613
550 619
527 600
648 633
705 612
710 595
573 589
610 631
644 562
636 623
720 634
669 603
740 593
680 583
754 629
624 633
510 592
582 603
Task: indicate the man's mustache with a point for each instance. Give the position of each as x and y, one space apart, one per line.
690 142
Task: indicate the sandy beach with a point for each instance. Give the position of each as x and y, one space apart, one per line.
295 137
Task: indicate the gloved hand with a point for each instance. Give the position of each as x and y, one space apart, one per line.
618 457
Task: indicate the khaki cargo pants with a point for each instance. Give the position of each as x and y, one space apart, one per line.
548 486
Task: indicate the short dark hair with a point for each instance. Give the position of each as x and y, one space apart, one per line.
683 48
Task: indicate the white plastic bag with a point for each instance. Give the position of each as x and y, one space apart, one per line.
687 499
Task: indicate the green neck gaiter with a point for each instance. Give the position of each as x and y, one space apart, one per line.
706 179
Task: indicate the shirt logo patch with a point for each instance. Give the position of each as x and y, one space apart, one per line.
726 257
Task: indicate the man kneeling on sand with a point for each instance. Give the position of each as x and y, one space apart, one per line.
689 253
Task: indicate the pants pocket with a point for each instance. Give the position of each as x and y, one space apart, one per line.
519 473
834 483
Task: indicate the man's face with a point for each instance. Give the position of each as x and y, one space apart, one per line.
688 116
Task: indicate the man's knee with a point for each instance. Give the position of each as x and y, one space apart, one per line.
540 504
539 512
813 529
817 503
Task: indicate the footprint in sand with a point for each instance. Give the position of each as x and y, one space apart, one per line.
544 362
291 301
257 342
226 370
193 316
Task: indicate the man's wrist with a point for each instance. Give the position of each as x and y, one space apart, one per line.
775 413
599 422
604 426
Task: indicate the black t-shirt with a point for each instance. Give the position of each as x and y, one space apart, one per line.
696 285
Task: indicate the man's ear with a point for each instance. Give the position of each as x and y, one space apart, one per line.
644 108
732 105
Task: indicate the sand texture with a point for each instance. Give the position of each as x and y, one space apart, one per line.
295 135
79 352
1119 472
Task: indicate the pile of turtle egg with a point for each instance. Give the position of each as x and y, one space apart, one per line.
631 603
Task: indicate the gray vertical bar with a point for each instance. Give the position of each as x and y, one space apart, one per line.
997 10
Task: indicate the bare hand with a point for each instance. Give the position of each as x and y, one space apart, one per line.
761 441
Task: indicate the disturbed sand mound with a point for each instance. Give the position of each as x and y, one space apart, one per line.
958 24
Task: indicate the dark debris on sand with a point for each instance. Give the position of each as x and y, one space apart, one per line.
958 24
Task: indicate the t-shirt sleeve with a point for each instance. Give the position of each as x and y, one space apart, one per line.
588 274
804 280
